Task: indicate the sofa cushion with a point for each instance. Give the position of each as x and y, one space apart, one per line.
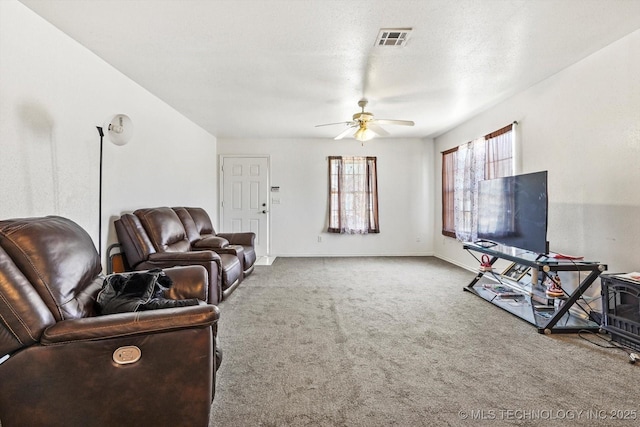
134 239
24 315
59 259
165 229
202 221
189 225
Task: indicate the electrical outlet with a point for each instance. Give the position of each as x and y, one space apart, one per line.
319 239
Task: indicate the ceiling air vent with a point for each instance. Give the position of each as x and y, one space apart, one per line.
393 36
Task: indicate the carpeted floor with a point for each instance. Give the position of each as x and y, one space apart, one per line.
394 341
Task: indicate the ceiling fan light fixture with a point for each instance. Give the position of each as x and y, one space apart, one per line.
364 134
366 125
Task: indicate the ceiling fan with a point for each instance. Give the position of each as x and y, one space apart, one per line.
366 125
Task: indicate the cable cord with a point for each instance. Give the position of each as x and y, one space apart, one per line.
633 357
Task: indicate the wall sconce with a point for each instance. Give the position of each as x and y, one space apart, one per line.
119 130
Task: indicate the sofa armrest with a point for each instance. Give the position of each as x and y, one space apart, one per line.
236 250
208 259
190 257
210 242
129 324
246 238
188 282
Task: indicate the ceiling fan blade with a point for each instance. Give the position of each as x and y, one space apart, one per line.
394 122
339 123
345 132
377 129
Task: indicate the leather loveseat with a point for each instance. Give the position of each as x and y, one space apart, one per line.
202 235
161 237
63 364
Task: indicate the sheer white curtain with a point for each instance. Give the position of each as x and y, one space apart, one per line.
500 163
500 160
470 164
353 197
488 157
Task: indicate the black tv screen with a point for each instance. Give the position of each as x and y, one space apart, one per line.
513 211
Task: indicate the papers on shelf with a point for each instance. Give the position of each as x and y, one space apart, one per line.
632 276
502 291
557 255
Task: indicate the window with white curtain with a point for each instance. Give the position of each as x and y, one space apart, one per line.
353 195
463 167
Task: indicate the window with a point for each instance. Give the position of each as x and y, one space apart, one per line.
463 167
353 195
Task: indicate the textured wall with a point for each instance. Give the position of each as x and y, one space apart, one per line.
300 168
53 94
582 125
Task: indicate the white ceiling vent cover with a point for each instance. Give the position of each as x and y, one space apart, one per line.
393 36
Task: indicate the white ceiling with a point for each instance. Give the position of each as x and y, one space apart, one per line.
277 68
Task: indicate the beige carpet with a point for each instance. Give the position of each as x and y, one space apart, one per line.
394 341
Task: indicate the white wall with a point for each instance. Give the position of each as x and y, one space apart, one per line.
583 126
53 94
299 167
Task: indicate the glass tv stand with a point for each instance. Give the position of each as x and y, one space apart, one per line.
521 289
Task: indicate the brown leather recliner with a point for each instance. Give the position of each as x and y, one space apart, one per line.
201 234
156 238
62 364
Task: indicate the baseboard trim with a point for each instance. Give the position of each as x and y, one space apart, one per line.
456 263
334 255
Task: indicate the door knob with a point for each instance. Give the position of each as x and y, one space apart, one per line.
264 212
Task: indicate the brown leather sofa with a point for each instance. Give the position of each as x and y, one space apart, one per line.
202 235
162 236
164 246
62 364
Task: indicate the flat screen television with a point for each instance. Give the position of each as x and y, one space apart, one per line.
513 211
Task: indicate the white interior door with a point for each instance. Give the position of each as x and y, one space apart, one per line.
245 198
